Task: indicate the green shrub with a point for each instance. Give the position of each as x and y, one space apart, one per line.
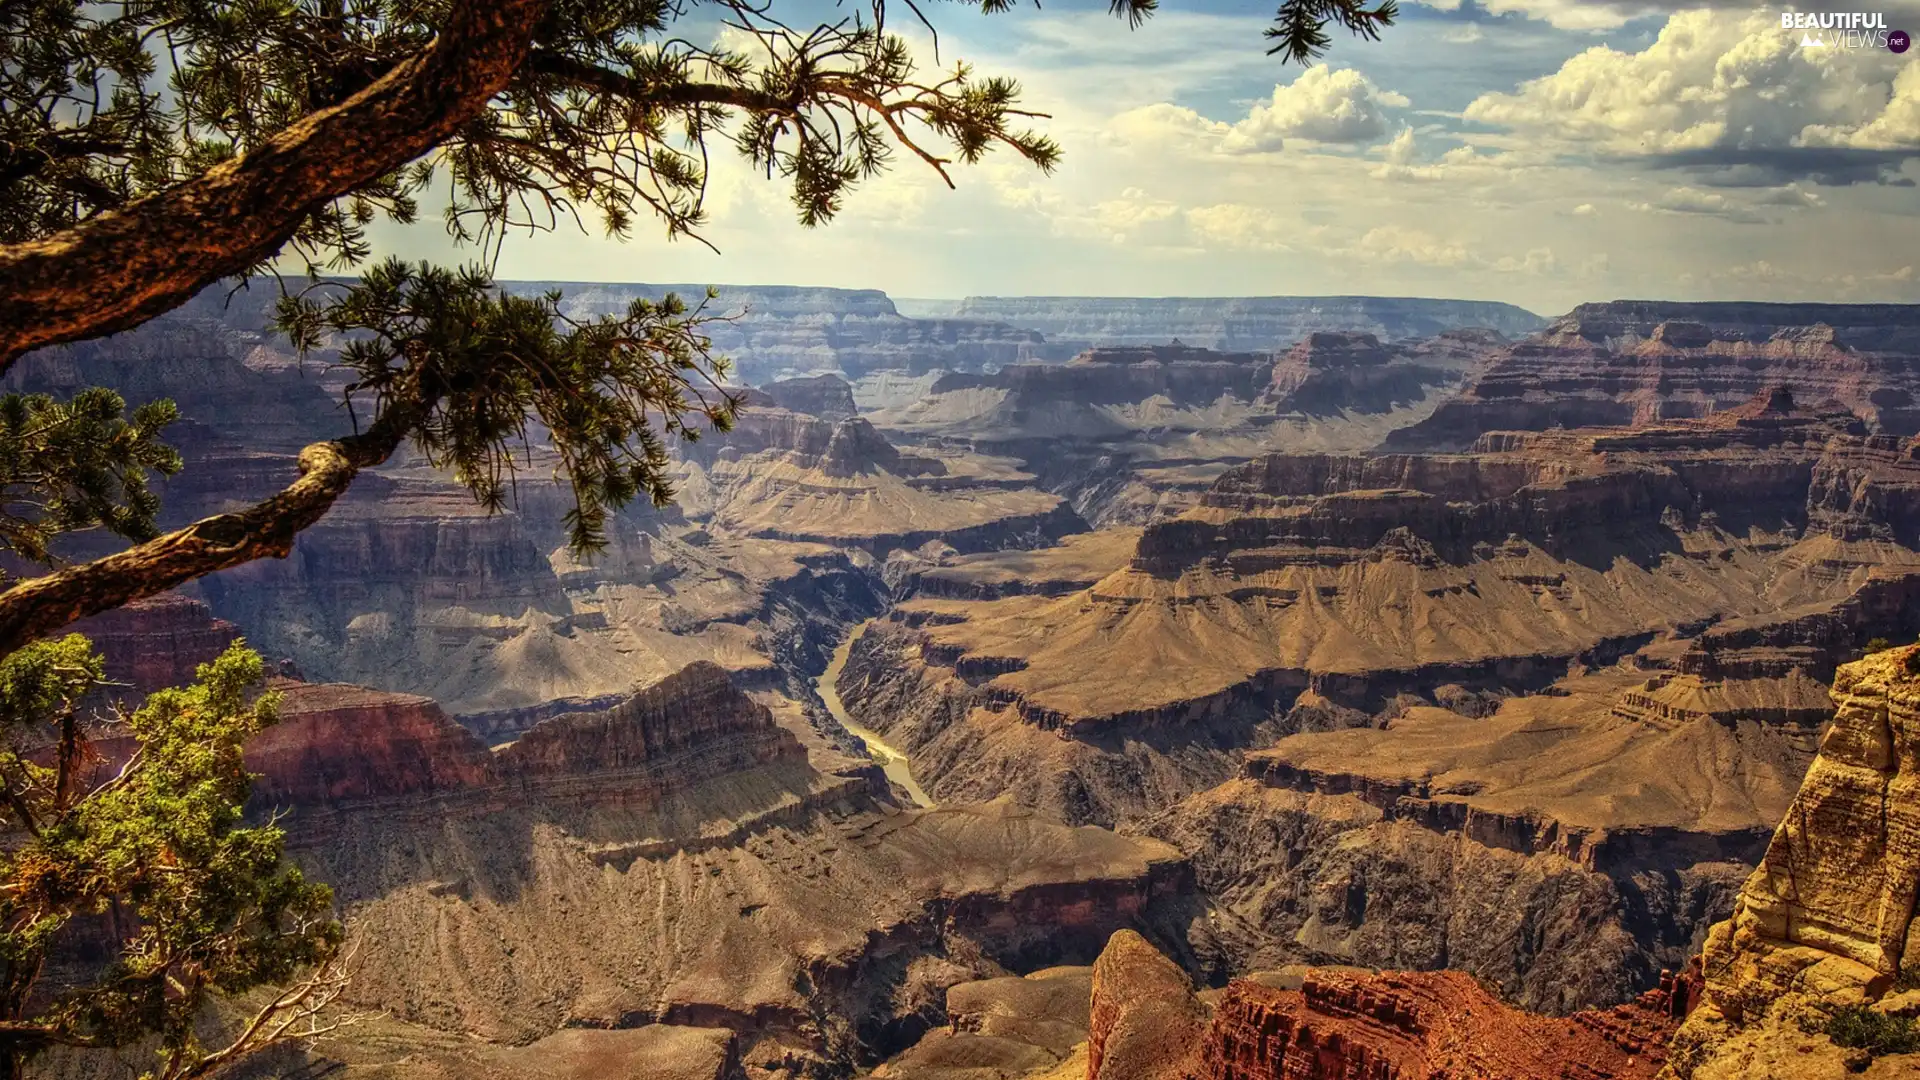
1857 1027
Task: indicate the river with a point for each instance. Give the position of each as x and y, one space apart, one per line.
892 762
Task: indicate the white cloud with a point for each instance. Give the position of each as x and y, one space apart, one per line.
1160 124
1240 227
1691 200
1722 90
1586 209
1321 105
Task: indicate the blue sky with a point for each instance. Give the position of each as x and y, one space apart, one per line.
1541 152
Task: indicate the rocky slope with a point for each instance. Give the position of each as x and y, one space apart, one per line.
1826 925
1231 323
1637 361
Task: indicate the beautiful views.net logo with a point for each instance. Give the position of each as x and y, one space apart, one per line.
1845 30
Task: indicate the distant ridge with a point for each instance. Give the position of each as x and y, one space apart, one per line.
1246 323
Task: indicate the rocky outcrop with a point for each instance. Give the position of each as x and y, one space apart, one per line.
1827 922
1636 362
1145 1022
828 397
1238 323
1336 1024
1407 1026
156 642
1328 372
340 745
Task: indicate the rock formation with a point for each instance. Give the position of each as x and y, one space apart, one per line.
690 859
155 643
1144 1020
1827 921
794 477
1148 1024
828 397
1633 362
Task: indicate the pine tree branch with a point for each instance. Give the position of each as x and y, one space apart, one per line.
37 607
585 76
124 266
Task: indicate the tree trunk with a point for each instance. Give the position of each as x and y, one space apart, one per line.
122 267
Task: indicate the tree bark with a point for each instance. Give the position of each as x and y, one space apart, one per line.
124 266
36 608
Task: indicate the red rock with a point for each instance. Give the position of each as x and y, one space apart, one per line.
1146 1023
157 642
337 743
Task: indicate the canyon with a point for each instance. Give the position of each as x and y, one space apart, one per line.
1071 689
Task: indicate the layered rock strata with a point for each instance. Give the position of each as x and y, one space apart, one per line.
1637 362
1149 1024
1128 433
689 857
844 484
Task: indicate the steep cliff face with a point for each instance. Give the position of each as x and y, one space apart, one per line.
344 744
1635 362
1242 323
1827 922
341 745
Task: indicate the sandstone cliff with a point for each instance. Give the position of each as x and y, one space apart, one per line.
1827 922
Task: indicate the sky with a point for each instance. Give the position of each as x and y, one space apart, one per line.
1539 152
